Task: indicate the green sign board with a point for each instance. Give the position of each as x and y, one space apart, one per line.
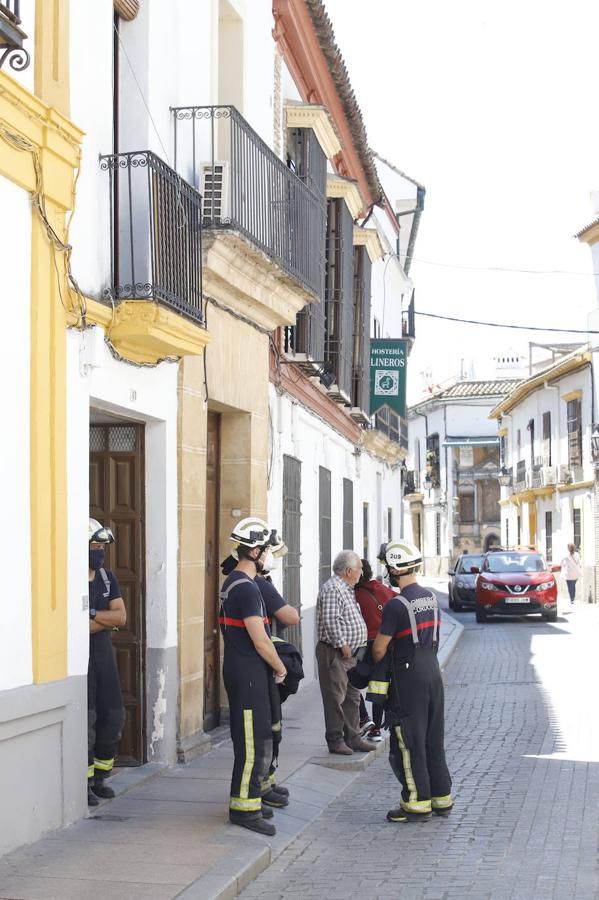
388 368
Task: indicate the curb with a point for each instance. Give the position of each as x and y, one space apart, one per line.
314 785
451 642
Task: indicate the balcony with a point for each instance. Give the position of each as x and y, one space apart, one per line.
156 235
12 37
249 194
521 483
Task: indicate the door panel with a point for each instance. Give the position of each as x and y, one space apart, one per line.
116 500
212 579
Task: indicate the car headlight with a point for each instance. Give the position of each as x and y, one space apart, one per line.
461 584
545 586
487 586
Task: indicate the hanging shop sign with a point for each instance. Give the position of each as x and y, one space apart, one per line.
388 367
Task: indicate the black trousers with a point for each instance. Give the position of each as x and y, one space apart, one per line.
105 712
417 751
246 681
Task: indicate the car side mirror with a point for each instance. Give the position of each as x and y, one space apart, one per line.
555 568
474 570
450 572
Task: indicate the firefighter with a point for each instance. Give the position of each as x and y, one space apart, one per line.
250 664
105 711
415 707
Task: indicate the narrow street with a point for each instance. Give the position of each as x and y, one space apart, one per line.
524 755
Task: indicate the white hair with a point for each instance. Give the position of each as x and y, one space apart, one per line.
347 559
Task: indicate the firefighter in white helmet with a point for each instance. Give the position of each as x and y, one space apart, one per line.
250 660
415 707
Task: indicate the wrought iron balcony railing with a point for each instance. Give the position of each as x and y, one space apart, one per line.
411 482
12 36
389 423
247 188
156 234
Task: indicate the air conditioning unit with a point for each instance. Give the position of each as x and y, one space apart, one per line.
564 475
548 475
214 188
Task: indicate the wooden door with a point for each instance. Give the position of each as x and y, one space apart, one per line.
212 579
117 500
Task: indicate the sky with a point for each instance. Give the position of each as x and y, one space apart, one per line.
493 107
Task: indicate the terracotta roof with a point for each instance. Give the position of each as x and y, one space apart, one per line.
497 388
326 38
472 390
580 233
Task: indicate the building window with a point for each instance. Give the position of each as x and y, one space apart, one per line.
467 508
433 462
376 330
389 523
324 524
547 439
307 159
365 528
549 535
361 336
339 294
438 534
576 528
574 433
502 451
292 501
489 495
518 531
348 514
519 444
507 533
531 430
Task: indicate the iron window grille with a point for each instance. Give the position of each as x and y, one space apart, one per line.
324 524
348 514
410 482
156 236
339 296
549 536
574 433
248 189
577 528
12 36
292 503
390 424
547 438
361 330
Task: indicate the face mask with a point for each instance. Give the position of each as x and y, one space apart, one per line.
96 559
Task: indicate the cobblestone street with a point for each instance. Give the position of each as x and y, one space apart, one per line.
524 755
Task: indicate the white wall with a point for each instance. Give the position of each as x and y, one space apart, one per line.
15 361
145 395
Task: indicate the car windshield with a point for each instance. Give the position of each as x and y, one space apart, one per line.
515 562
465 564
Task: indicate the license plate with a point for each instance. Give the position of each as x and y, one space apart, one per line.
517 600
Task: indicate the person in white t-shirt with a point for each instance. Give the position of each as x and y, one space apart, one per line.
571 570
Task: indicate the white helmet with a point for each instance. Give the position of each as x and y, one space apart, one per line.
98 534
400 555
253 532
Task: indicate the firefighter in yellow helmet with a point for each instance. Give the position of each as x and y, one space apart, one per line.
250 664
415 706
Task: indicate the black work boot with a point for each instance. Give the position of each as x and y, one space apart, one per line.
256 823
272 798
266 812
101 790
92 800
402 815
279 789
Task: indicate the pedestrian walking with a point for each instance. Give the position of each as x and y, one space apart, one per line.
341 632
415 706
105 710
572 570
249 666
372 597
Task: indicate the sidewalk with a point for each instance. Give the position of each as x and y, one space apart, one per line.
168 836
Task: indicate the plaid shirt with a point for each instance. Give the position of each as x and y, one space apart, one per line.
338 617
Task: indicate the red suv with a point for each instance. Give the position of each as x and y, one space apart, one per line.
515 583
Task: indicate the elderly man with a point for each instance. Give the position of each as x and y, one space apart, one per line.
341 631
